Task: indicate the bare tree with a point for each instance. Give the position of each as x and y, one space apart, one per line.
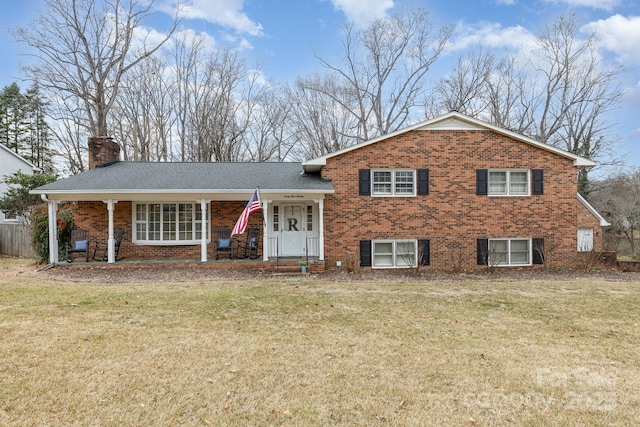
279 112
69 132
560 96
384 69
83 48
618 199
465 88
188 53
318 123
142 116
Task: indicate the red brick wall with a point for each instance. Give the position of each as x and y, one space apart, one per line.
94 217
102 150
452 216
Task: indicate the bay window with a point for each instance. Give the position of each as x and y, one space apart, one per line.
169 223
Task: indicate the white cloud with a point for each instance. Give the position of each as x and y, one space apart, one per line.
205 40
506 2
363 12
227 13
594 4
621 35
490 34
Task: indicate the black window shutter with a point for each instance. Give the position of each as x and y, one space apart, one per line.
424 249
364 182
538 251
482 178
483 251
365 253
423 181
537 179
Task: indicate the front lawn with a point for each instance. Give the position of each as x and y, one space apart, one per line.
275 351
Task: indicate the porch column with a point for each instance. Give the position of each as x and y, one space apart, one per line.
111 250
203 230
320 229
265 230
52 207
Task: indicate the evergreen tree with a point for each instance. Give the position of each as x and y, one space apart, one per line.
37 141
12 118
23 128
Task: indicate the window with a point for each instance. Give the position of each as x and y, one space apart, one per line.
10 218
389 182
509 252
508 182
394 253
168 223
309 218
276 219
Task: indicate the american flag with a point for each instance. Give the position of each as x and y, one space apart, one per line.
252 206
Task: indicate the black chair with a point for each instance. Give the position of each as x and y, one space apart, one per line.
223 242
79 244
249 247
118 234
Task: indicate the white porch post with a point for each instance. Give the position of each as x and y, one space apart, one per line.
265 230
320 229
53 231
203 231
111 241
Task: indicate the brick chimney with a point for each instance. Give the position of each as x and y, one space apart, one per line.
102 149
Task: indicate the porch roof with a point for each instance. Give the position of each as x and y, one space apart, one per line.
123 177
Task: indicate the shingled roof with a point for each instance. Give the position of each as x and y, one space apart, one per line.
210 177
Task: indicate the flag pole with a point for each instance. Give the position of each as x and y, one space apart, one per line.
264 219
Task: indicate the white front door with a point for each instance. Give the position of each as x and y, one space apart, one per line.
293 230
585 239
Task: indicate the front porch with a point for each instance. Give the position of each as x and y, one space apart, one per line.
188 229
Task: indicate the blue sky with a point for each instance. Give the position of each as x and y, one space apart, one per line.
285 36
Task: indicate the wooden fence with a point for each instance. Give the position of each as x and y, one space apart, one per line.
15 240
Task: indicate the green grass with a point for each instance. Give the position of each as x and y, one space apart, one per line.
317 353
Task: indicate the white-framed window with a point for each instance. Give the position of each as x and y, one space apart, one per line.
508 182
10 218
393 182
394 253
509 252
169 223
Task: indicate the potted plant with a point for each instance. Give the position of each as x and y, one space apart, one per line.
303 266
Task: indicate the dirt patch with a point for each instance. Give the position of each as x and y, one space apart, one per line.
179 273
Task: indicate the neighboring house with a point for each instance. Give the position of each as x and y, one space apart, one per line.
11 163
450 192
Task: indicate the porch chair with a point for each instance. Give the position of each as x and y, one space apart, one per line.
79 244
249 247
223 242
103 250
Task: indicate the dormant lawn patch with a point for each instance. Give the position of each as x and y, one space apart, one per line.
310 352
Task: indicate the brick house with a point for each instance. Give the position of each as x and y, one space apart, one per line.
449 192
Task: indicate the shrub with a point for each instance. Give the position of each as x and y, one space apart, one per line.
40 230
